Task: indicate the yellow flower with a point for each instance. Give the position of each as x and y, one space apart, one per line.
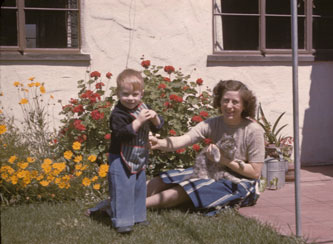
23 165
31 160
3 129
94 178
76 145
46 168
57 181
97 186
78 159
78 173
66 178
4 176
42 89
21 173
68 155
40 177
31 84
78 166
23 101
47 161
62 185
37 84
44 183
31 78
86 181
103 169
14 179
16 83
59 166
92 158
27 180
12 159
84 167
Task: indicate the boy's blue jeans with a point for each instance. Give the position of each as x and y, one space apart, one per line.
128 193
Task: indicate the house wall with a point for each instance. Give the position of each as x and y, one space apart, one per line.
116 34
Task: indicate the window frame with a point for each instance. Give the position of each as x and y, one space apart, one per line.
22 52
269 54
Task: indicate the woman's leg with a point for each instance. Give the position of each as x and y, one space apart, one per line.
156 185
168 198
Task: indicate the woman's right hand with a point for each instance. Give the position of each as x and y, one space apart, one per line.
154 142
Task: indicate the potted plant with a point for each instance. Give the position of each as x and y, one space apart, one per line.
278 150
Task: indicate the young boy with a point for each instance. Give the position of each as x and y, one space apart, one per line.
130 122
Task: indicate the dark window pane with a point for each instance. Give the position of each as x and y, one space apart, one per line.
240 33
283 7
51 3
51 29
240 6
8 28
8 3
278 30
323 7
323 33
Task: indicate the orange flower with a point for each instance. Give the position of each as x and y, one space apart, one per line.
42 89
23 101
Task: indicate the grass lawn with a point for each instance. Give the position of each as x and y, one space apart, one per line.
45 223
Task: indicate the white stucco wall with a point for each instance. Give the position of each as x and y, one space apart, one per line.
117 34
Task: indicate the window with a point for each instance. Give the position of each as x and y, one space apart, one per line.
261 29
48 26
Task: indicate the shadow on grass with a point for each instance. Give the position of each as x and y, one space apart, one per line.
101 217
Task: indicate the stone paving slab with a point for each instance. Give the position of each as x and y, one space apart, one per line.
277 207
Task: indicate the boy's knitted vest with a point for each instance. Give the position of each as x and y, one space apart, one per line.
135 152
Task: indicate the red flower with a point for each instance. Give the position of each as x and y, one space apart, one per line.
96 115
204 114
73 101
78 109
172 132
78 125
67 107
185 88
166 79
169 69
199 81
82 138
99 85
107 136
179 99
181 150
196 147
174 97
162 95
167 104
161 86
197 118
108 75
208 141
95 74
145 63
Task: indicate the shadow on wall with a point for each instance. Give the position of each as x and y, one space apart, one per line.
317 144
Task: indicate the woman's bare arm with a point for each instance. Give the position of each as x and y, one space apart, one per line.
170 143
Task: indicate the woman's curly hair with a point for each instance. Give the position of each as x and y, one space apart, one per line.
249 100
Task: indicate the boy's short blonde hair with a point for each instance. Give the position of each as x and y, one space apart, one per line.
131 76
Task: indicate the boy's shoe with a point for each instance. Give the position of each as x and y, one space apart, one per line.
124 229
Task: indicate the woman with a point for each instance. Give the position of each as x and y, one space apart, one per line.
237 105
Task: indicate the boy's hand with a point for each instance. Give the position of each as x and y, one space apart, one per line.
145 115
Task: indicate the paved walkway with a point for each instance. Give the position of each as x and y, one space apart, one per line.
277 207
